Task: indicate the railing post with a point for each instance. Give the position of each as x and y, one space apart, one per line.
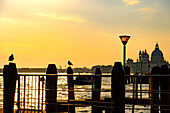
118 88
127 72
10 77
136 87
71 108
165 89
154 83
51 89
96 91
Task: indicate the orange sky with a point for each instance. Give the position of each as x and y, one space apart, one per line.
83 31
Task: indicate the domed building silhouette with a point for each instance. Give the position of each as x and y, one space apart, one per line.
157 56
143 64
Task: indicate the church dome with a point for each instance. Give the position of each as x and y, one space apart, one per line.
157 56
157 52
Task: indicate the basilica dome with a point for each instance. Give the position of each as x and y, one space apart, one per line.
157 56
157 52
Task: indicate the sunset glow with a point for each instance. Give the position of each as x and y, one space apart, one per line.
39 32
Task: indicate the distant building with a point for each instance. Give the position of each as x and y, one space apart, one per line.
104 69
144 64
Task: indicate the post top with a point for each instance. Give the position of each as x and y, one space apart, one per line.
98 71
51 69
69 70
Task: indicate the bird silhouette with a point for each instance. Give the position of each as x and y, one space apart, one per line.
11 58
69 63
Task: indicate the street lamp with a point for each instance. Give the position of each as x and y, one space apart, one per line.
124 39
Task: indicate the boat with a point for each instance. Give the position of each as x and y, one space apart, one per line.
82 80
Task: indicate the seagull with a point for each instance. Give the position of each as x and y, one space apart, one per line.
11 58
69 63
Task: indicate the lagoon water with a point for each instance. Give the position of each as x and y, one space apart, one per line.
81 92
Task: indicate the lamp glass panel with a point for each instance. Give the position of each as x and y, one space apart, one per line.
125 38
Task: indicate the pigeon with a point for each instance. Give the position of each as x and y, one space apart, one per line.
69 63
11 58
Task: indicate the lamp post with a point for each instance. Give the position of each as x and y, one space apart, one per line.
124 39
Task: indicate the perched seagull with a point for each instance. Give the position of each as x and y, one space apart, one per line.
69 63
11 58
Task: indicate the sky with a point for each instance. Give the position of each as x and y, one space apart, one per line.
86 32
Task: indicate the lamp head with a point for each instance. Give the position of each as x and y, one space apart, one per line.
124 39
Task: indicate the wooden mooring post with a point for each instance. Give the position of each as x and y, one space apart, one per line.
10 77
51 89
118 89
154 84
96 92
71 108
165 90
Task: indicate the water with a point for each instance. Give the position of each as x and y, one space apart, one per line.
81 92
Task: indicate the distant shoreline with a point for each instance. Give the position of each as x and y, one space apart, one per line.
43 70
104 69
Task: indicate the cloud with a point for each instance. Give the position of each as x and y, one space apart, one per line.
146 9
131 2
62 18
